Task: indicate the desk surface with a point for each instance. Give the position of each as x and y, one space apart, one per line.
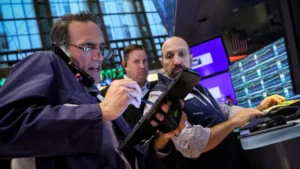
271 137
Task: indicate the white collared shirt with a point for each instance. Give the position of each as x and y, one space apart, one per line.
144 89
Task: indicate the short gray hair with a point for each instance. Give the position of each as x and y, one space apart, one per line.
59 32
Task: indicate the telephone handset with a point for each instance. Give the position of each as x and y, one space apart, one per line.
85 78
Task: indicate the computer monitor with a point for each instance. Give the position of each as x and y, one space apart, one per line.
220 87
2 80
262 73
209 57
109 75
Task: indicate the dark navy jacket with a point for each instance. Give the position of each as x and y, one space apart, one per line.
45 113
228 154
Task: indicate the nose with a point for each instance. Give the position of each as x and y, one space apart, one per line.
177 60
142 65
97 55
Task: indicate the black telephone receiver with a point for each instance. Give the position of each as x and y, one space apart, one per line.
85 78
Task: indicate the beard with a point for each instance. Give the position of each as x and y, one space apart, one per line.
175 70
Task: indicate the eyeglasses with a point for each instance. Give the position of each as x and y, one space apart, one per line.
105 51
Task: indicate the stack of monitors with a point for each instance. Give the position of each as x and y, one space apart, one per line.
261 74
210 60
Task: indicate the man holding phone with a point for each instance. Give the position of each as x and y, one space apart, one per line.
48 115
208 131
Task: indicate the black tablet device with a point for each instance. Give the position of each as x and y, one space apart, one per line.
178 88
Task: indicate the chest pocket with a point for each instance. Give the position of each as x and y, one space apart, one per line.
199 113
75 97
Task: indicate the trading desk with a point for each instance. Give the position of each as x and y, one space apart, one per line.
278 149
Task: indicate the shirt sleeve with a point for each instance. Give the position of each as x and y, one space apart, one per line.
229 111
192 140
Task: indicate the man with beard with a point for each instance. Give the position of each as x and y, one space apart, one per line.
215 140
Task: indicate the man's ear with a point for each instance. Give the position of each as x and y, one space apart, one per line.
123 63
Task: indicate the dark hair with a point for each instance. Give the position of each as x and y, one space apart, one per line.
128 49
59 32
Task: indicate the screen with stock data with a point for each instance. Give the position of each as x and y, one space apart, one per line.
261 74
109 75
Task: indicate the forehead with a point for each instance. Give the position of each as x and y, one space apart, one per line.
83 32
137 55
175 45
175 50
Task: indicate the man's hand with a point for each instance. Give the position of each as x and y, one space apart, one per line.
270 101
163 138
120 94
244 115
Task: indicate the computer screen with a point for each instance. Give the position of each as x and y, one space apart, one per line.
220 87
2 80
261 74
209 57
109 75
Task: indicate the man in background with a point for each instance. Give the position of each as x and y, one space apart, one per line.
136 67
